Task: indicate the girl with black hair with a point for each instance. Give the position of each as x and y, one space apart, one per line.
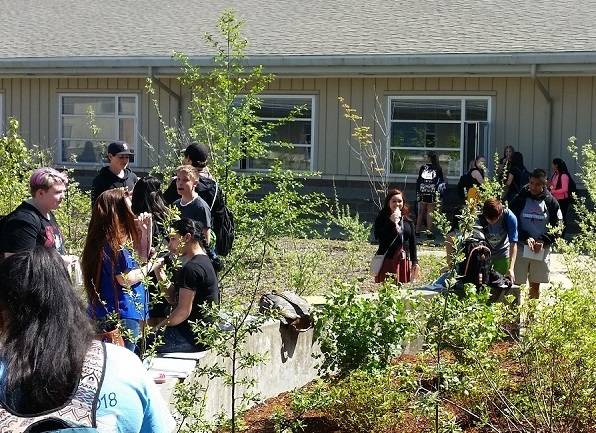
560 187
430 177
147 198
195 285
397 240
518 176
52 373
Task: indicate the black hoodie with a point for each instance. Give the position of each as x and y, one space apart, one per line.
107 180
552 206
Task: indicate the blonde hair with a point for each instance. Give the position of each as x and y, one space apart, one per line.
188 170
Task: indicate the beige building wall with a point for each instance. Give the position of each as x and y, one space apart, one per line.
520 112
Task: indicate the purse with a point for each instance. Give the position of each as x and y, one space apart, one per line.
377 260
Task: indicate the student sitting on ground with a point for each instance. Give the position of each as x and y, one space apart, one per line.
195 285
53 372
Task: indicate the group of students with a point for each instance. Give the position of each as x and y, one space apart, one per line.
49 331
535 204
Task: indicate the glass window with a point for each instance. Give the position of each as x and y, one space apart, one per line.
420 125
296 134
83 144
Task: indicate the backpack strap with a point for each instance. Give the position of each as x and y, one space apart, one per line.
80 411
214 196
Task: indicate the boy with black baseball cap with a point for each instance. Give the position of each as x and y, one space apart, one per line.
116 174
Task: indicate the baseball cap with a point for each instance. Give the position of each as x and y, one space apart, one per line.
197 153
119 148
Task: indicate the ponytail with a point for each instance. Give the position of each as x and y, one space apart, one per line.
187 226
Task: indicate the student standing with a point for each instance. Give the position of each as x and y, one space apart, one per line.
32 222
536 209
559 187
394 230
116 174
190 204
430 176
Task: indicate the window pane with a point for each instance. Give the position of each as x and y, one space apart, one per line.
80 104
409 161
281 107
127 131
476 109
425 135
127 106
425 109
78 127
296 132
83 150
296 158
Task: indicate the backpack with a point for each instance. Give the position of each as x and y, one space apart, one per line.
222 218
476 267
78 415
293 310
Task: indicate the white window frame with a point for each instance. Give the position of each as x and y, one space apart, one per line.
312 127
462 121
116 118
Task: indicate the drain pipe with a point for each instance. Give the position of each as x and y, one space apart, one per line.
549 101
169 91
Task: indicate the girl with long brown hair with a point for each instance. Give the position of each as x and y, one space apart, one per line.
397 239
113 278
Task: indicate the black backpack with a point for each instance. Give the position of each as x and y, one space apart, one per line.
476 267
222 218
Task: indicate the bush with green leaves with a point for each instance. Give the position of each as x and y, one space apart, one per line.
359 332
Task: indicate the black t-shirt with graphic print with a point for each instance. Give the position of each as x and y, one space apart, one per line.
25 227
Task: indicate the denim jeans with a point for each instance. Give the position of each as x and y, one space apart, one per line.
176 339
134 331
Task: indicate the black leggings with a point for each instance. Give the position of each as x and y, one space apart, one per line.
564 204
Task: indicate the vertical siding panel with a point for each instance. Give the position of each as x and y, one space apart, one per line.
500 87
485 83
112 83
432 83
44 111
54 118
331 126
82 83
472 83
35 139
393 84
73 83
122 83
512 115
15 108
407 84
369 104
584 118
7 108
356 99
380 112
321 148
26 109
274 85
153 136
459 83
445 83
569 125
540 122
297 84
63 83
343 128
102 83
133 83
419 84
285 84
92 83
526 118
145 110
309 84
556 89
593 116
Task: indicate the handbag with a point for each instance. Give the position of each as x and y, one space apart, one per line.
377 260
113 336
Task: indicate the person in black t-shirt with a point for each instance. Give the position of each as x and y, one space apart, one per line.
190 204
116 174
195 284
32 222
